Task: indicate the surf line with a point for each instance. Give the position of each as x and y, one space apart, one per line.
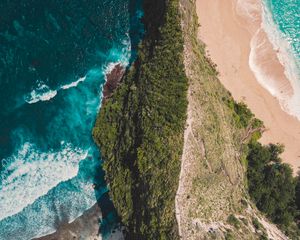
44 93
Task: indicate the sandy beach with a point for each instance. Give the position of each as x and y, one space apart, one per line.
232 32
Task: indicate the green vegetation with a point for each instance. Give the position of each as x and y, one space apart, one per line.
229 236
232 220
260 229
271 184
245 221
242 115
140 128
257 224
298 198
140 132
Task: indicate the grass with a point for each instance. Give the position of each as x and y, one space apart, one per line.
232 220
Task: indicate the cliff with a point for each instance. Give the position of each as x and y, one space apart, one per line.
172 139
140 128
212 200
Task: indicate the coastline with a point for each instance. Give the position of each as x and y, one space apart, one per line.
229 46
113 79
140 128
86 226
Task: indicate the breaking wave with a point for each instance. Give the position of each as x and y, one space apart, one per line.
289 98
30 174
73 84
42 93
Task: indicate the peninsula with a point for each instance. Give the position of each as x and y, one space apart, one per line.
181 154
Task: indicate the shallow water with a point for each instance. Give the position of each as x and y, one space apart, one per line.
281 21
286 15
54 56
280 26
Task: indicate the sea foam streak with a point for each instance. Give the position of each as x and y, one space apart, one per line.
30 174
73 84
44 93
115 56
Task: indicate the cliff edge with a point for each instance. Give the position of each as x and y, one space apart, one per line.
212 201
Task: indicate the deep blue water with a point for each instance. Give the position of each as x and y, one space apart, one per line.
53 59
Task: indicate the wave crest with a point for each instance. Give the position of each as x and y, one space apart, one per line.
30 174
73 84
42 93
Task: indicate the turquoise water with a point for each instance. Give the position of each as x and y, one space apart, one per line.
281 22
54 56
286 15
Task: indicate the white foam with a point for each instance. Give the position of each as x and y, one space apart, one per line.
63 204
110 67
42 93
123 57
281 43
30 174
248 8
290 104
117 56
126 51
73 84
262 77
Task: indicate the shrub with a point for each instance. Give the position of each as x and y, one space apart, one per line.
271 183
232 220
241 114
257 224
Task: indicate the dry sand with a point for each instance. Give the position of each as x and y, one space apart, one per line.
228 35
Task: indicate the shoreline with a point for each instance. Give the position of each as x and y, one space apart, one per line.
113 78
229 37
86 226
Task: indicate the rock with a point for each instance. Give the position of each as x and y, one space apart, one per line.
113 79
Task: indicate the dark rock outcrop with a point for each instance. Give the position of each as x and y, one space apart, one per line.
113 79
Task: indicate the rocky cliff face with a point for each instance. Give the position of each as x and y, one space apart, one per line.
212 201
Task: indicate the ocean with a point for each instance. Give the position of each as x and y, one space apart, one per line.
53 62
285 14
281 22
